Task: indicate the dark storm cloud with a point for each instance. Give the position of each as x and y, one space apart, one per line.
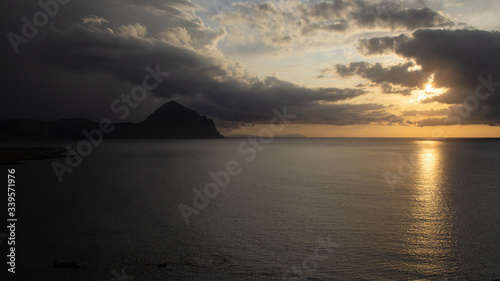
194 75
88 57
466 62
33 88
457 57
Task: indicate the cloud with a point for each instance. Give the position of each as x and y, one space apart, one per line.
399 74
76 66
390 89
380 45
456 57
451 121
430 112
78 69
132 30
377 15
94 20
463 61
289 23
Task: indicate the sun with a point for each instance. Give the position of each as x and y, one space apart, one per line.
428 87
428 91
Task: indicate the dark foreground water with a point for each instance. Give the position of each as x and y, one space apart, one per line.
299 208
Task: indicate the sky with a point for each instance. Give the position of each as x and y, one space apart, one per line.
360 68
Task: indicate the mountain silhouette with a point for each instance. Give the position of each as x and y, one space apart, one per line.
170 121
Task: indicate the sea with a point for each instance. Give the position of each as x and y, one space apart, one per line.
270 209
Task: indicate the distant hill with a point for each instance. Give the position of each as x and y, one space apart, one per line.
170 121
277 136
291 136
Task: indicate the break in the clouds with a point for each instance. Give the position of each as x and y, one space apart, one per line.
92 52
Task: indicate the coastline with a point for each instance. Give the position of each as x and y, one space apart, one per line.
17 155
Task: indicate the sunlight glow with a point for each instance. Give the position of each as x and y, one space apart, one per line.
428 92
415 67
429 227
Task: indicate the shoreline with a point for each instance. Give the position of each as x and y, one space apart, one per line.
17 155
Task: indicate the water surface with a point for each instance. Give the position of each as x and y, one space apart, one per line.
119 211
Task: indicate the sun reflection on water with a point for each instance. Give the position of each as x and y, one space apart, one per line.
427 233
